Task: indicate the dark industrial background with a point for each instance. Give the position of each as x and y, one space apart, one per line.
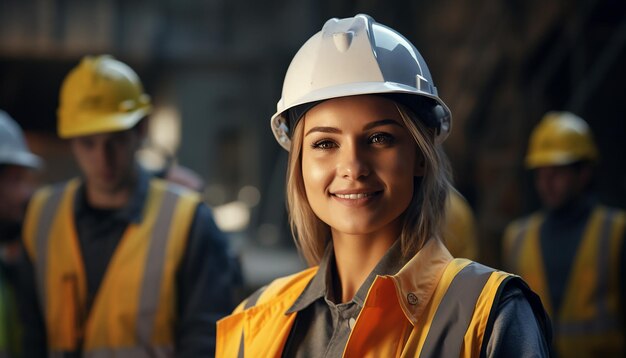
217 67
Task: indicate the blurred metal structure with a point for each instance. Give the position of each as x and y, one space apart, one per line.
499 66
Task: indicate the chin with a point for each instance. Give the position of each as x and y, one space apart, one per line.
356 228
108 186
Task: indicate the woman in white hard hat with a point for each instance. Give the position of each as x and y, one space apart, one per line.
367 186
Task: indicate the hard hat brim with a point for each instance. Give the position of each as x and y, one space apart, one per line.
553 159
95 123
22 159
352 89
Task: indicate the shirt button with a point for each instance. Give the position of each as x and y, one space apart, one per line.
351 323
412 298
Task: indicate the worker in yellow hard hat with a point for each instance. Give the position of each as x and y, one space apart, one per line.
572 253
120 264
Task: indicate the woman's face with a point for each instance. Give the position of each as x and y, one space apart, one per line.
358 164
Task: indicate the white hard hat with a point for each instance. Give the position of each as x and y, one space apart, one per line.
13 148
357 56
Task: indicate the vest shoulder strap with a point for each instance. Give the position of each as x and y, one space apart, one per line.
42 210
456 310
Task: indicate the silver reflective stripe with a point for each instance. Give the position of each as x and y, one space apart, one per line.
153 272
604 322
44 222
250 302
241 347
126 352
455 312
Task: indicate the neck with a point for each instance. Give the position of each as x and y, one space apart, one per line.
356 256
573 210
114 198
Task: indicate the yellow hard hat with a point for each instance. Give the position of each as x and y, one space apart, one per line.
560 138
101 95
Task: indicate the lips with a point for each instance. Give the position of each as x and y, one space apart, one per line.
356 197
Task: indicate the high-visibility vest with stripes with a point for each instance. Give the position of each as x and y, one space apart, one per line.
133 313
452 324
589 321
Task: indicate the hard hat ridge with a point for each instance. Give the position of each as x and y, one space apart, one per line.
358 56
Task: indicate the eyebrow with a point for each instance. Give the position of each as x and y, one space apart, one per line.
323 130
382 122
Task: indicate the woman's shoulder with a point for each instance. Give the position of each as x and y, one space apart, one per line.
289 285
520 325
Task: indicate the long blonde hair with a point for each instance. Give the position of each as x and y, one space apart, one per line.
422 219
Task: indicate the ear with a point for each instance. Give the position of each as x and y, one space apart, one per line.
420 166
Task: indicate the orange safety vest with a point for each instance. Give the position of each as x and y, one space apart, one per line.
588 323
133 313
435 306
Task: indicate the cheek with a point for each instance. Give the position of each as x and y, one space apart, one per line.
14 198
400 164
125 152
400 170
542 182
316 174
564 185
83 156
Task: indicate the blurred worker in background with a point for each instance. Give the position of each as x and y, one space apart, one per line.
119 263
16 187
572 253
459 228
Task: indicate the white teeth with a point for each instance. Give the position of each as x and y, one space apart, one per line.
353 196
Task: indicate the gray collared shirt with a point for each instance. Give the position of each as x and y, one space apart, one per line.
322 327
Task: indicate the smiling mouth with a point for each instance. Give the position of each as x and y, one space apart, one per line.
355 196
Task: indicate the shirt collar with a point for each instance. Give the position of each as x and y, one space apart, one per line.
416 281
321 284
133 210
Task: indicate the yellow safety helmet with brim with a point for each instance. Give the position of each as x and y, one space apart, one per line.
560 138
101 95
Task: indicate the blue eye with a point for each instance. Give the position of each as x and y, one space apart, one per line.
381 138
324 144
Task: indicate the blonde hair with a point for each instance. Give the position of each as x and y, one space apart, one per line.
422 219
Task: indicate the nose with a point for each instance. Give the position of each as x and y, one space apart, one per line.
352 162
104 153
